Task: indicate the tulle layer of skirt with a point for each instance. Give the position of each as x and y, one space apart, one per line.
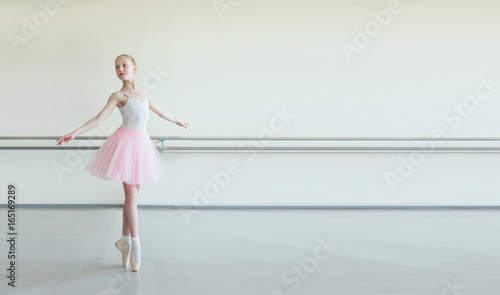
128 156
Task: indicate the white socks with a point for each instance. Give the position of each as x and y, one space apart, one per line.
136 249
126 244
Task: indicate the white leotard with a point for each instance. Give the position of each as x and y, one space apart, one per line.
135 114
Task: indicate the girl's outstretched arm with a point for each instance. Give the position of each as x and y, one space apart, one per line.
103 114
156 108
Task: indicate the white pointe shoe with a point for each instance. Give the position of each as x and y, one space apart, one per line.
125 257
135 265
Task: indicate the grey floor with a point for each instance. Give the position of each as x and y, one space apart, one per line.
267 251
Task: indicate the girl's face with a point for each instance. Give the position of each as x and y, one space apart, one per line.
124 68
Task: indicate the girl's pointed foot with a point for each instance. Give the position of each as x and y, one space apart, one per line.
125 253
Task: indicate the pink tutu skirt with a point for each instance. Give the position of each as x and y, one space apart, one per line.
128 156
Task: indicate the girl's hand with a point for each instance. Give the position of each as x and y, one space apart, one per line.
66 138
182 124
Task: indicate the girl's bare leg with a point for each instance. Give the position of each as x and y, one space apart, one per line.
130 218
125 225
125 228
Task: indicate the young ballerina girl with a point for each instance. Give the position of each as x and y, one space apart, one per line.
128 155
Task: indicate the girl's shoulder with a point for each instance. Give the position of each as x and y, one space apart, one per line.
118 93
145 92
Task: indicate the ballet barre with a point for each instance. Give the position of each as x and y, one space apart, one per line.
254 144
261 207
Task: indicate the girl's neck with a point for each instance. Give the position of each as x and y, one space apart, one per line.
128 85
